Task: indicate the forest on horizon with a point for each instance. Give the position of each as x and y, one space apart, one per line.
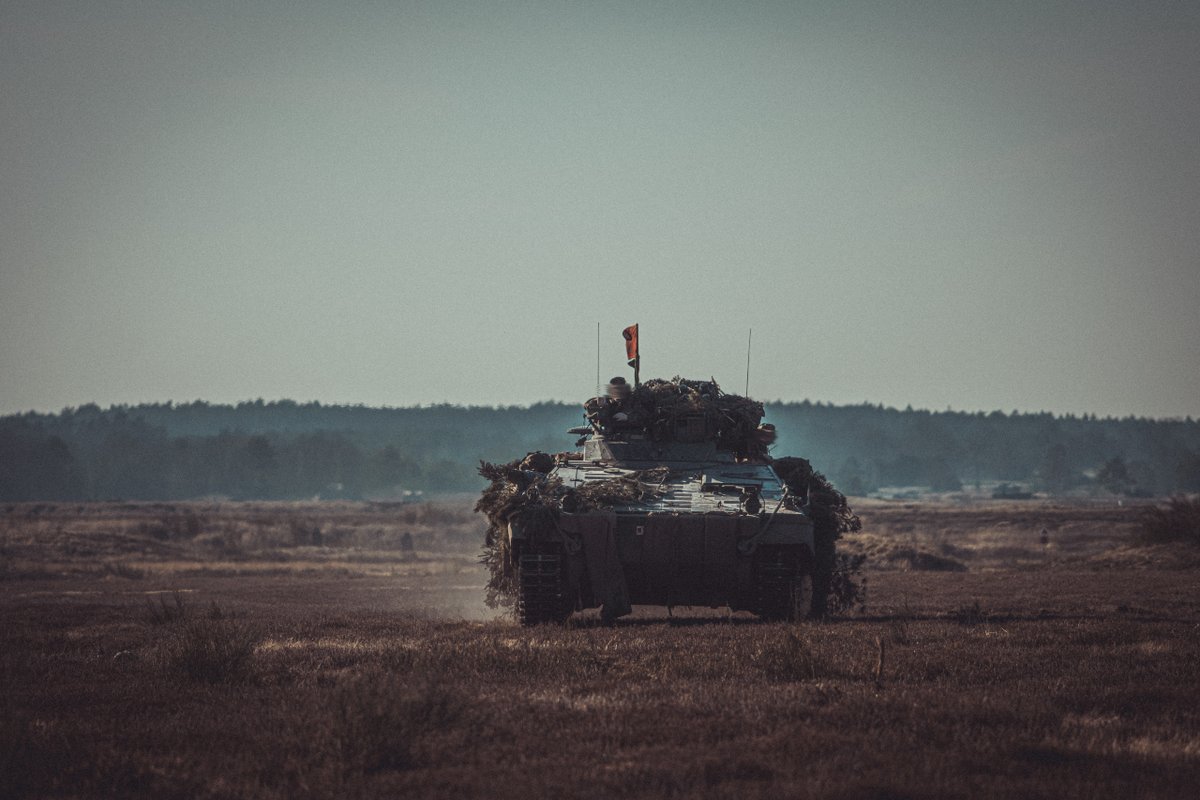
289 450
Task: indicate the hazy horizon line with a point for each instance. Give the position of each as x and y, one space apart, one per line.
908 408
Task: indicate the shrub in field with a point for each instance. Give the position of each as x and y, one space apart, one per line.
121 570
174 525
1178 522
162 612
785 657
974 614
304 532
918 560
846 589
377 722
214 649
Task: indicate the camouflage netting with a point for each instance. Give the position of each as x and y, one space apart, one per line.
831 516
830 513
539 498
658 406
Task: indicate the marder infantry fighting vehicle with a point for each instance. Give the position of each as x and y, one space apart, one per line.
673 501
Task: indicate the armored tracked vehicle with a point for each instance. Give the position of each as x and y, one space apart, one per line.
672 501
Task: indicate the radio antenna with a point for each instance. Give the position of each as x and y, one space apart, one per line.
598 392
749 339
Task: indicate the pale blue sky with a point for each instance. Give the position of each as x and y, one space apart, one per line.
976 205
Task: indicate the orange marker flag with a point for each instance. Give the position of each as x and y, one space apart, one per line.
631 344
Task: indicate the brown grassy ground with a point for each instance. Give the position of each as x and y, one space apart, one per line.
241 656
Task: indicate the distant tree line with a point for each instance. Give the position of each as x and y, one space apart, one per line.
288 450
864 447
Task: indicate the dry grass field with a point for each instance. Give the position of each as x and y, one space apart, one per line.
265 650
